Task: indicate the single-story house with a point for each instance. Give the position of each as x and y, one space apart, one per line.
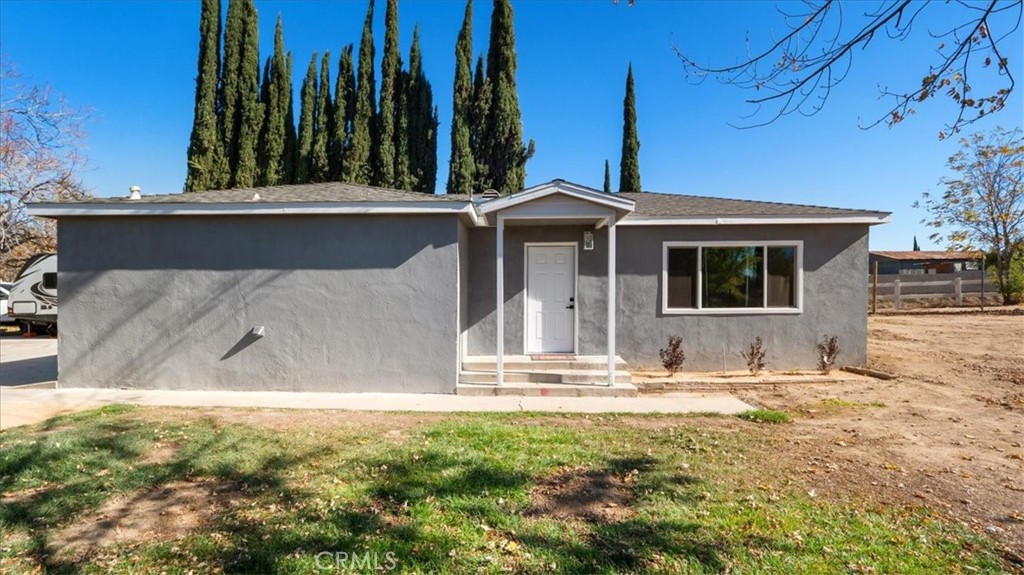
339 287
923 262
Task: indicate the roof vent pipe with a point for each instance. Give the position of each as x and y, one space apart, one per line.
136 193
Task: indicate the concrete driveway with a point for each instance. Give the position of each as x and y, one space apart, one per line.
25 361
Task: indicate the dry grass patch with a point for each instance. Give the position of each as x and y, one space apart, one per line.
595 496
161 513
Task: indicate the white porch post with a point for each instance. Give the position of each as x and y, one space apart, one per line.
611 302
500 303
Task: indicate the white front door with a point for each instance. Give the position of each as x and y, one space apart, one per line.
550 299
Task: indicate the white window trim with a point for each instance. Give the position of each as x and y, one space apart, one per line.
700 310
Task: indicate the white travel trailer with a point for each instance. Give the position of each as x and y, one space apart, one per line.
33 298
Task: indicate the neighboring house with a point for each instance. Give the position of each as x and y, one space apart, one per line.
922 262
337 287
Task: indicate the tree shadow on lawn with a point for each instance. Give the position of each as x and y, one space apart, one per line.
78 468
429 510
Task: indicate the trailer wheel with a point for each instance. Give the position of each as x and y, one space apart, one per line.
22 327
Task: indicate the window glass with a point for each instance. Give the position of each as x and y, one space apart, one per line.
682 277
782 276
733 277
50 280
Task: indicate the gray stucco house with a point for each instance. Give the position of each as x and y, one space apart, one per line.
337 287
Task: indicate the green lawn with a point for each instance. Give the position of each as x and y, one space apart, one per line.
453 495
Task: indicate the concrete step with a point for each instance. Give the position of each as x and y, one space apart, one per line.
567 377
545 390
491 377
524 363
586 376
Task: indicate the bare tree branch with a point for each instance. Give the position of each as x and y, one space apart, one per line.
798 72
39 160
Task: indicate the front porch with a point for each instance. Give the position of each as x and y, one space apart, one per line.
553 301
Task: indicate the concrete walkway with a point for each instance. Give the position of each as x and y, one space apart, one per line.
24 406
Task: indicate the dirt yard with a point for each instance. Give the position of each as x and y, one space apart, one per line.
947 433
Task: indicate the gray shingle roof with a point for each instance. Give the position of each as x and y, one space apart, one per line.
328 192
658 204
647 203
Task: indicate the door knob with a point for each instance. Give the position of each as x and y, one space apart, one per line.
571 306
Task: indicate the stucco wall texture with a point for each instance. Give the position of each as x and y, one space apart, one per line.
348 303
834 296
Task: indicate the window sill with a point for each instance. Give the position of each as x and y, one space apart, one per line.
735 311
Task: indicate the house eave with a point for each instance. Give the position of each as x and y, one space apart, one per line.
860 219
57 210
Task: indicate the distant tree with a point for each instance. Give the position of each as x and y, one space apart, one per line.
462 165
607 178
390 72
506 154
479 128
983 205
307 125
798 71
917 248
40 143
205 149
277 98
421 142
359 169
629 167
320 169
344 110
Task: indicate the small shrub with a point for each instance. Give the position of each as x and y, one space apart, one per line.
828 349
672 357
765 416
755 356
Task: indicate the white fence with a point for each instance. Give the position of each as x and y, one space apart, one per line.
898 288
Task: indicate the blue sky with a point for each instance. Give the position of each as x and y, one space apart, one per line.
134 64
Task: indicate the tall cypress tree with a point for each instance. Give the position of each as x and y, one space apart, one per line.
273 139
230 90
246 168
358 169
261 143
479 127
629 169
291 144
403 145
307 125
461 164
344 109
390 70
320 170
205 149
607 178
422 123
507 156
